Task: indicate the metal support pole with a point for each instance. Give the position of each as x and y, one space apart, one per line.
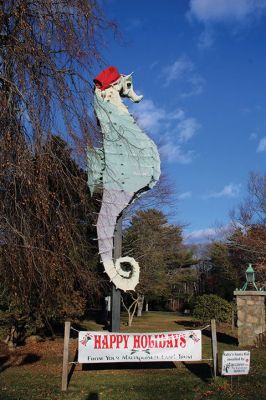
116 294
214 348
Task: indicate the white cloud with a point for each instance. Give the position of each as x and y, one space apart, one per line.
226 10
174 153
262 145
202 234
187 128
231 190
209 234
153 64
196 82
184 71
185 196
149 115
206 38
177 70
253 136
179 114
173 129
235 13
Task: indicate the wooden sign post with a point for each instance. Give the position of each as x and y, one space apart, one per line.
65 356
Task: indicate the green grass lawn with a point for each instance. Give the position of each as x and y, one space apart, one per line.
34 371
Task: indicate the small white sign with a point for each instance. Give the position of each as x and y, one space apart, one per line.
236 362
105 347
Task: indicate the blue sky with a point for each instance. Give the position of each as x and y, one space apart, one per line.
201 66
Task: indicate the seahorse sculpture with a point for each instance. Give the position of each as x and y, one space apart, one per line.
126 166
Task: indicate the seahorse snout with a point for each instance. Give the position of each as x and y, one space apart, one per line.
134 97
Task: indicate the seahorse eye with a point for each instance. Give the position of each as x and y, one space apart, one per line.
128 85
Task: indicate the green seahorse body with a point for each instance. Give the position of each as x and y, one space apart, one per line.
126 166
128 160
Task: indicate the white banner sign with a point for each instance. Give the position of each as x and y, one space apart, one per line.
235 362
99 347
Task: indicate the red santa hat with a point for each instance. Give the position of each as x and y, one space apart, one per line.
106 78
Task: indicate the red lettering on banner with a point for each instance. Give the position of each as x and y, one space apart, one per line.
140 341
105 342
97 341
151 342
112 341
119 340
183 342
144 341
162 342
136 344
126 341
169 341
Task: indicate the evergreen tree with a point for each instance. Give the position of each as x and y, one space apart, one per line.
158 247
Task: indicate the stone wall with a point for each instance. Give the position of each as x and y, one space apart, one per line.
250 316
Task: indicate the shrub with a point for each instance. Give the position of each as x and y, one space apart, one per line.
210 306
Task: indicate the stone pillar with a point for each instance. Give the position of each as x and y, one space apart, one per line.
250 316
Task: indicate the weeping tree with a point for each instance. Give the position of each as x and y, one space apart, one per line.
48 49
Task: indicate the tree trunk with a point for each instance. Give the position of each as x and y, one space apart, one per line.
131 314
147 306
133 307
11 339
140 305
